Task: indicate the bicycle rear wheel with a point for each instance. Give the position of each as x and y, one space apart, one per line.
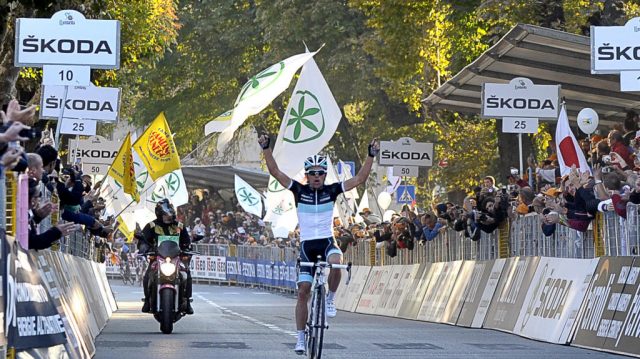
319 323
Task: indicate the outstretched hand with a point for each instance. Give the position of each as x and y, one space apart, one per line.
264 140
374 148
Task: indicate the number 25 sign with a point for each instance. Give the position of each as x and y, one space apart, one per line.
78 127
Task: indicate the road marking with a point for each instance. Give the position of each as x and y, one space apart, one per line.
246 317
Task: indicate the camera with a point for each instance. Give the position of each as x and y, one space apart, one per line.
504 190
30 133
515 172
607 169
606 159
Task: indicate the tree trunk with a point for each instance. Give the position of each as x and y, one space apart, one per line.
8 72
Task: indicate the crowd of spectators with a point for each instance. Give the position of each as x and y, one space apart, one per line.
78 204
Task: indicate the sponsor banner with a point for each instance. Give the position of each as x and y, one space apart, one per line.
388 302
511 292
95 149
32 320
406 152
82 102
378 279
356 287
387 287
67 38
470 272
520 98
479 292
615 48
435 302
609 316
403 290
415 293
208 267
554 298
232 269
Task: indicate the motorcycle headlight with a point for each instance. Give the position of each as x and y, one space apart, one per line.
167 268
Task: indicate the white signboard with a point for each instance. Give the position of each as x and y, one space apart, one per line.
615 48
67 39
406 152
405 171
96 149
520 98
66 75
95 169
88 102
554 298
72 126
629 80
519 125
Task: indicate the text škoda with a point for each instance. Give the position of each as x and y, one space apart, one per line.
404 155
79 104
65 46
520 103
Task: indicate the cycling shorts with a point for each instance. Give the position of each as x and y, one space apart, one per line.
310 249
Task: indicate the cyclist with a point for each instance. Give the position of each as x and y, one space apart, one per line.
314 202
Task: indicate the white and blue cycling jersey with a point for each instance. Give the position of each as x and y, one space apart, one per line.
315 209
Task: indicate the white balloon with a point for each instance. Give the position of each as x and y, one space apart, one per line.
384 200
387 215
587 120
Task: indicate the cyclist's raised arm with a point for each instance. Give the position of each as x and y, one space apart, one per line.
272 166
363 174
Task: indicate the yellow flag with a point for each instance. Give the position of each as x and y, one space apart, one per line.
122 169
157 150
122 227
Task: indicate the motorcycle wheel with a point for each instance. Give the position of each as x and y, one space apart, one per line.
167 298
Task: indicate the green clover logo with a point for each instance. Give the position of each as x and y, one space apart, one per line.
260 81
274 185
307 121
247 197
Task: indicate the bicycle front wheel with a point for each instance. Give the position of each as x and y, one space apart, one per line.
318 321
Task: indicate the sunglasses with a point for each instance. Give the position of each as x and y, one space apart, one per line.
316 173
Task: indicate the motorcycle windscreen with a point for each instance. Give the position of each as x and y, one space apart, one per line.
168 246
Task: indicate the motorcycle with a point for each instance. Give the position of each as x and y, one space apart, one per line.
170 278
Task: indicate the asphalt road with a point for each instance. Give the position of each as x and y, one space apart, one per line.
233 322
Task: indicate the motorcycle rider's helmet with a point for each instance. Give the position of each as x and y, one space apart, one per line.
165 208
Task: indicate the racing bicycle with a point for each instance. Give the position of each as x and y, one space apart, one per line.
317 321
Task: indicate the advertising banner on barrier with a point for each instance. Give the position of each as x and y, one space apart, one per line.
32 318
208 267
385 300
372 291
401 291
469 275
510 293
435 302
356 287
554 298
610 314
413 300
478 298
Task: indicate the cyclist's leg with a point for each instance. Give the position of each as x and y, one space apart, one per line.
334 256
305 278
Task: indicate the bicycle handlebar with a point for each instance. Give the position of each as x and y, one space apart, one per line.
322 264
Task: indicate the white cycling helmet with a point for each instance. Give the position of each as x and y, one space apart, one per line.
315 161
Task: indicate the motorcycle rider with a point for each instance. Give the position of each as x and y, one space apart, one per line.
165 224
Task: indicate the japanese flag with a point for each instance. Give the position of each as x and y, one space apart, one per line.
569 152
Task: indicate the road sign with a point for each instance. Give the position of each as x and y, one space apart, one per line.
87 102
72 126
95 169
405 171
66 75
406 194
67 39
519 125
406 152
349 166
96 150
520 98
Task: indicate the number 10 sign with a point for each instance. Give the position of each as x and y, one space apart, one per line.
519 125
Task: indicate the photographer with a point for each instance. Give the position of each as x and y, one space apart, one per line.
47 238
493 211
431 226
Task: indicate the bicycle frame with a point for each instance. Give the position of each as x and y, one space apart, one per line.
317 320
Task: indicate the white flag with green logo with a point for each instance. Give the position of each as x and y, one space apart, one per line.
219 123
281 209
309 123
260 90
248 197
